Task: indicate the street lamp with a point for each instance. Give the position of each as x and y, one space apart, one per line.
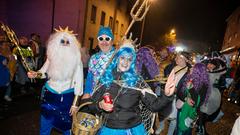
172 32
173 36
179 49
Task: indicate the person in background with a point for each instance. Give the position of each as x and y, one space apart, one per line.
85 59
5 51
21 72
175 81
34 44
194 92
4 77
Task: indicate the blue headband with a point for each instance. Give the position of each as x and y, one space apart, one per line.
105 31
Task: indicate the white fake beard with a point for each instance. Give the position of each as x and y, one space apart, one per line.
63 59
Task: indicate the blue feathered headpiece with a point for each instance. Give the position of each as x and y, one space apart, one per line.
105 31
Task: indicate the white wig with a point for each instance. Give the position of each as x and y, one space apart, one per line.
63 58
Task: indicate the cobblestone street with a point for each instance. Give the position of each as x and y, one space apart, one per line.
21 117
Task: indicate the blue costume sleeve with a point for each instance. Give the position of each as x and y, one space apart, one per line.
89 84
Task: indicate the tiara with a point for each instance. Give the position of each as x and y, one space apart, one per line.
65 30
129 42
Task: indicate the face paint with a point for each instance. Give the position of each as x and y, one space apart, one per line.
124 63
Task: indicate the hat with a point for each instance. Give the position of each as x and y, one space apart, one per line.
128 42
105 31
216 59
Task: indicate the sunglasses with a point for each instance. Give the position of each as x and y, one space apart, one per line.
107 38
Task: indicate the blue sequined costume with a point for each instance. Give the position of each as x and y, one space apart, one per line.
97 64
55 107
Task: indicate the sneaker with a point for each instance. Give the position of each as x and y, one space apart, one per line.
7 98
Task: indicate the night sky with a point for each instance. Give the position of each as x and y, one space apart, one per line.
199 20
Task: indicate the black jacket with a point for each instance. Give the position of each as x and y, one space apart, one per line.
194 95
126 111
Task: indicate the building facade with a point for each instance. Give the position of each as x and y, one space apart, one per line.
41 16
84 17
232 34
112 13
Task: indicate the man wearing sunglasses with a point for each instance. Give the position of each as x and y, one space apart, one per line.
99 61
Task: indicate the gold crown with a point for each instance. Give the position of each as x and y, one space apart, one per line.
128 42
65 30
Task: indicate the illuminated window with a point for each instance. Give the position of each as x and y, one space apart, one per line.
116 27
93 14
102 21
110 24
91 42
235 35
122 30
229 39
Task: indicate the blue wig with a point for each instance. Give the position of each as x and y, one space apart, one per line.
129 77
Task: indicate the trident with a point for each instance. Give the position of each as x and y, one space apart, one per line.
137 17
13 38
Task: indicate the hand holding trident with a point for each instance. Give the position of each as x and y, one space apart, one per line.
138 16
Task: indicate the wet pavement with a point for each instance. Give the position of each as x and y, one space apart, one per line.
21 116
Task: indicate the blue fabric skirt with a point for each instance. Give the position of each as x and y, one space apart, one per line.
55 108
138 130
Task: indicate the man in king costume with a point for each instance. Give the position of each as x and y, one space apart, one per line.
64 71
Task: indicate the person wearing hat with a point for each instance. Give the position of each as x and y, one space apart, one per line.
175 81
98 62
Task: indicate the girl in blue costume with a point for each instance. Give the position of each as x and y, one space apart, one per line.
127 89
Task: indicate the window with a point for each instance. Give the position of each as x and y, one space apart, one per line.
110 24
102 21
229 39
91 42
235 35
116 27
93 14
122 30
